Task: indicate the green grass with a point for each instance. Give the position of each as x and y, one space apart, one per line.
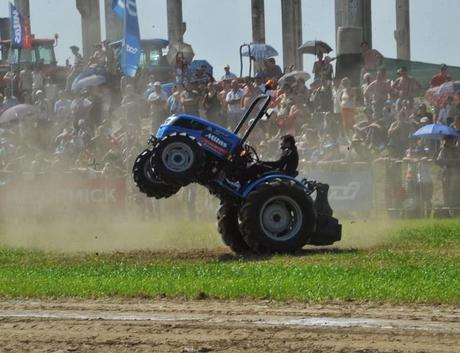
404 262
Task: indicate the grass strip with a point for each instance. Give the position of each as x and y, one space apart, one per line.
419 263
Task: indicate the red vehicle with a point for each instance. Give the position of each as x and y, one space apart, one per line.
41 53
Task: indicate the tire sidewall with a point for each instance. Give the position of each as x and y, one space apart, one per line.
250 217
179 178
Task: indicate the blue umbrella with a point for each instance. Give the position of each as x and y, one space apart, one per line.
259 51
435 132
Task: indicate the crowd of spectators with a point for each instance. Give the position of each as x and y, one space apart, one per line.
100 130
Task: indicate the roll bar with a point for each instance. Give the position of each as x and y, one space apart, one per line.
265 99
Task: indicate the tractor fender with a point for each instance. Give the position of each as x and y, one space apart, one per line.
266 178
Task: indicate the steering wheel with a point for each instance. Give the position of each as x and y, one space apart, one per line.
251 151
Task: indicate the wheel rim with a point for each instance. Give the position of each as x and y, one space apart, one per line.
178 157
281 218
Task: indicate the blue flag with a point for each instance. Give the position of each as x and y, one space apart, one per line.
16 28
131 45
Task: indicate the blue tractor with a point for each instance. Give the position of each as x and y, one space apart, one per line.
270 213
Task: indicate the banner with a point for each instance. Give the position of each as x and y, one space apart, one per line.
131 46
350 190
19 29
16 28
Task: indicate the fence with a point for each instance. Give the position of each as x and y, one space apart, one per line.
397 186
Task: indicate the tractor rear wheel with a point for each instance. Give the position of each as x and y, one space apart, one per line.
178 159
227 225
146 180
277 216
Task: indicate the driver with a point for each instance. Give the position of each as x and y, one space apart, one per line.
287 163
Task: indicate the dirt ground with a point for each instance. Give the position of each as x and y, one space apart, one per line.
164 325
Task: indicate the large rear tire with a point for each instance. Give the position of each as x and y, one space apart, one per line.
227 225
178 159
146 180
277 216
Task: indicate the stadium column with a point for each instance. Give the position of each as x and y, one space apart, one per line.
113 23
176 26
90 25
258 21
402 33
353 21
291 13
355 13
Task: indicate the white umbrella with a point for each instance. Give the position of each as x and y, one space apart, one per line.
293 76
18 112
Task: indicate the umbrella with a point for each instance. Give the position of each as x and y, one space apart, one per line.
293 76
18 112
446 88
258 51
200 64
184 48
314 46
435 132
89 78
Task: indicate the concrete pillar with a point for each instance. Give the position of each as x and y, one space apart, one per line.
176 26
402 33
90 25
291 13
354 13
258 21
113 23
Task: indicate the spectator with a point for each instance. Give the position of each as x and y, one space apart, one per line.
422 112
228 75
157 105
398 135
372 60
448 112
441 77
62 107
327 69
449 159
25 81
321 96
377 93
271 71
406 87
174 102
318 66
38 79
234 103
190 99
347 105
99 58
76 67
456 124
211 104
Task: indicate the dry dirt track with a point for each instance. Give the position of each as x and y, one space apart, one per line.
216 326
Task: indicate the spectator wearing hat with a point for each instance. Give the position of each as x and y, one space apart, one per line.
441 77
76 67
228 75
